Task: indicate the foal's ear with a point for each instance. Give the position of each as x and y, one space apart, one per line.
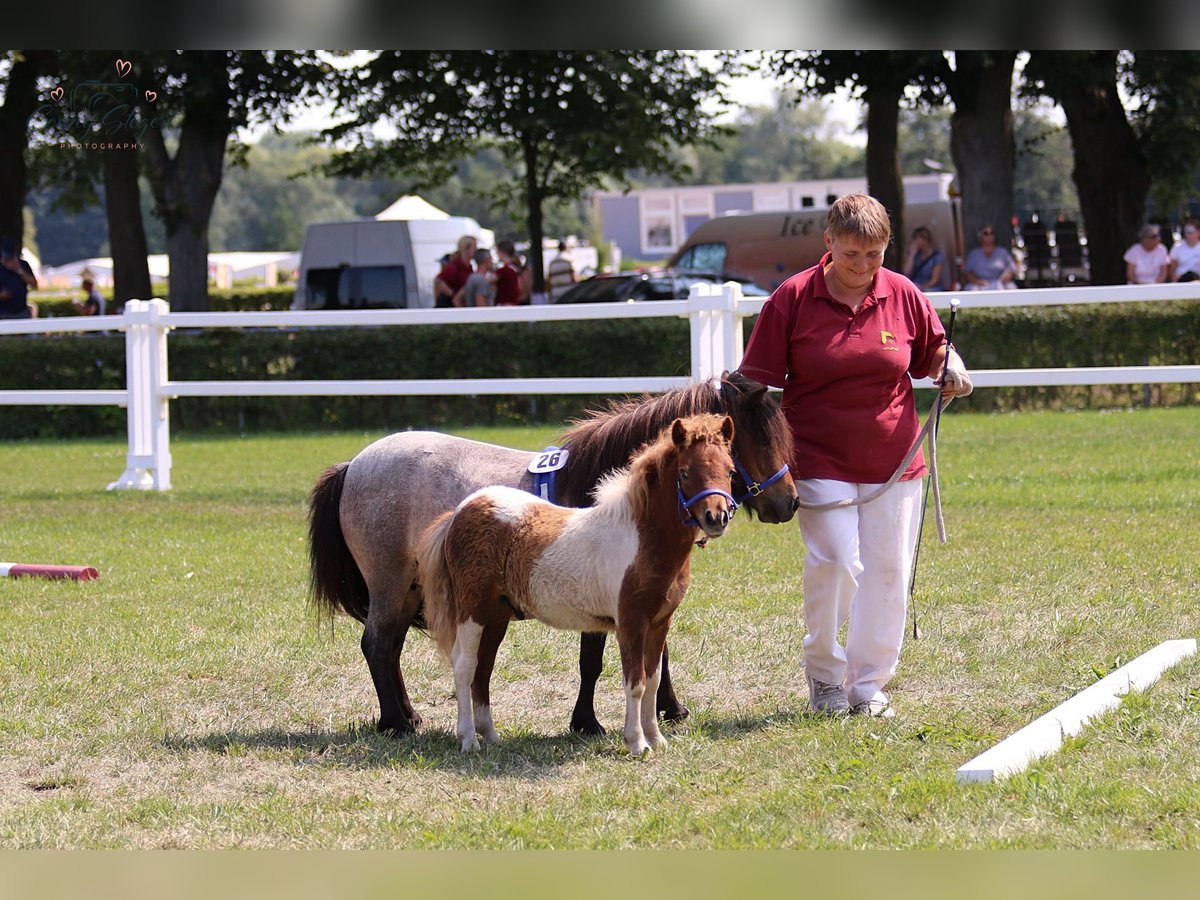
679 433
727 430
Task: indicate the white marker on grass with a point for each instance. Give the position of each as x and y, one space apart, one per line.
1045 735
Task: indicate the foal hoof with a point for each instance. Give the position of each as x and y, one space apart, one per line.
470 745
674 712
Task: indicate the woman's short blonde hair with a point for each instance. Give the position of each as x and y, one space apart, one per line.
859 217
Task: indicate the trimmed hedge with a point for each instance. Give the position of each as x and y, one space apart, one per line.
232 300
1165 333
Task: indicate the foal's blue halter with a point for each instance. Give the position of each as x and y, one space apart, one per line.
685 505
753 488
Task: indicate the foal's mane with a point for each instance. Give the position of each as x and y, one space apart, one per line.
649 466
604 439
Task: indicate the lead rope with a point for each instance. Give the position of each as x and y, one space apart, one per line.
930 431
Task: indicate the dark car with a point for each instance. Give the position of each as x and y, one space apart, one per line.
665 284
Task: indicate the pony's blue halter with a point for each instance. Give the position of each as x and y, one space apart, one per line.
753 488
685 505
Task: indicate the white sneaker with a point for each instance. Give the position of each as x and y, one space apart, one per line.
879 709
827 699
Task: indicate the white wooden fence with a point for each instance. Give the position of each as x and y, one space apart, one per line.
715 313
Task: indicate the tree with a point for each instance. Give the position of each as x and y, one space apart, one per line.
205 96
786 141
20 100
1111 171
562 120
90 136
979 83
880 78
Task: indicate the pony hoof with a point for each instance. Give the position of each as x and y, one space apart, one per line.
585 726
638 748
657 741
470 745
398 727
491 737
675 713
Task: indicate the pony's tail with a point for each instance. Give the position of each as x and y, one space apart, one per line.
335 581
441 605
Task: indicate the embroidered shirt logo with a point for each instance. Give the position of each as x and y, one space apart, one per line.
888 340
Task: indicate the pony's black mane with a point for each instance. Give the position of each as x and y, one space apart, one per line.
604 439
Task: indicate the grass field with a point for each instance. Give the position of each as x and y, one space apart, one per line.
190 699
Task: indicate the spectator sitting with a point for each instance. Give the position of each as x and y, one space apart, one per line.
93 303
1185 255
1146 262
989 267
926 266
16 281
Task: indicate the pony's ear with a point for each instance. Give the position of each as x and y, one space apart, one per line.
679 433
755 390
727 430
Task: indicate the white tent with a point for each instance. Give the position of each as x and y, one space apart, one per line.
223 268
410 207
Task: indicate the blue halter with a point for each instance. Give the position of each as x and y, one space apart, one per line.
685 505
753 488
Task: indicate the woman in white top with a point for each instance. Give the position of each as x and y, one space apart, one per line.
1185 254
1146 262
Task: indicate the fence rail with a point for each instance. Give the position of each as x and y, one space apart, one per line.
714 312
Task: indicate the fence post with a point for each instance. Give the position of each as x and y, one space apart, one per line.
716 328
728 331
148 462
700 325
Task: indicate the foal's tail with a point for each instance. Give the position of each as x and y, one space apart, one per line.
335 581
441 606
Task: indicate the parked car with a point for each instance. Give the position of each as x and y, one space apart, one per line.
664 284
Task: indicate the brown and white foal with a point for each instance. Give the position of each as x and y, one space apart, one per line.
622 565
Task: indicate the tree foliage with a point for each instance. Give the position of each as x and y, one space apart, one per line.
561 120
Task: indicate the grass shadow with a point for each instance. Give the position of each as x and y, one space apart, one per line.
522 755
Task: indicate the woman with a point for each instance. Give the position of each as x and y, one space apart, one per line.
989 267
842 339
926 265
1147 262
450 281
508 287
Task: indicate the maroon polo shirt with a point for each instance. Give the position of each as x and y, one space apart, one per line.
845 376
455 273
508 289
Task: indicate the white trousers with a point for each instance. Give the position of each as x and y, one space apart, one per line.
857 568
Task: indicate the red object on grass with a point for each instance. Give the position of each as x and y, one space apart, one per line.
75 573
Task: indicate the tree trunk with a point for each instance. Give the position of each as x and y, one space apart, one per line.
883 162
533 194
185 187
20 100
1111 172
981 140
126 234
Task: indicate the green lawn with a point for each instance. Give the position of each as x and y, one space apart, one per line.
190 698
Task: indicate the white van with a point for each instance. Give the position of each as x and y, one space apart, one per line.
376 263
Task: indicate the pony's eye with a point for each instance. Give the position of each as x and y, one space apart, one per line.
683 473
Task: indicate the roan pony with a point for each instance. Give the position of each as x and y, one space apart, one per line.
621 565
366 515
